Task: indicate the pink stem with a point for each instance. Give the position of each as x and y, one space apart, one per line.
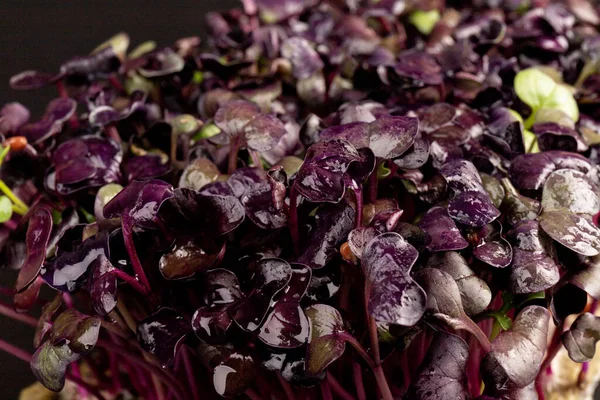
7 311
252 395
289 393
373 183
338 389
135 261
293 220
359 205
326 391
233 153
256 159
189 371
358 381
131 281
15 351
76 374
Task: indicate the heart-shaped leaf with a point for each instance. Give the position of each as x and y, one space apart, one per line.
492 248
534 267
516 355
326 343
441 230
474 292
442 375
161 334
393 295
103 285
49 365
36 239
580 340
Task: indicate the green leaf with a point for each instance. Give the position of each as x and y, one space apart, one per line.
6 209
198 77
383 171
89 217
424 21
56 216
516 115
504 321
538 90
530 141
208 130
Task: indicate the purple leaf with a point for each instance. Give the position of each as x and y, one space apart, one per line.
161 334
474 291
38 234
552 136
570 294
187 257
188 210
69 270
79 331
492 248
141 168
580 340
220 287
304 59
333 224
442 231
12 117
326 343
530 171
273 276
393 295
233 372
442 374
534 267
473 208
103 285
161 63
44 325
516 355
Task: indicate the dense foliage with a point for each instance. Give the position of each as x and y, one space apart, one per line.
350 199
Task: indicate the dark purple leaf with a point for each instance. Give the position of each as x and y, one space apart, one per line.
273 276
69 270
505 133
87 161
516 355
190 211
145 167
187 258
534 267
473 208
552 136
580 340
139 202
210 324
233 372
326 343
161 334
570 294
416 68
103 285
530 171
220 287
359 237
393 296
390 137
442 374
29 80
571 192
25 300
333 224
574 231
441 230
474 291
232 117
38 234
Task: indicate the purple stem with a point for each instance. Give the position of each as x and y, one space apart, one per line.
233 152
373 182
135 261
337 388
131 281
252 395
76 374
293 219
15 351
189 371
289 393
8 311
358 381
326 391
358 195
256 159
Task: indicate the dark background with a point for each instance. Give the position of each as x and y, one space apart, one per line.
41 35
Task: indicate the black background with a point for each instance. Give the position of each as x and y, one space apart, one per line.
41 35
